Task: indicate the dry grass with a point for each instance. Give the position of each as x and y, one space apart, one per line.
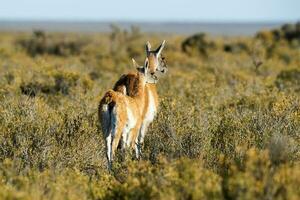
227 128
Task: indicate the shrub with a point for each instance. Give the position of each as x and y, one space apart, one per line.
64 81
291 31
288 79
275 39
197 45
122 41
222 131
40 43
33 88
236 48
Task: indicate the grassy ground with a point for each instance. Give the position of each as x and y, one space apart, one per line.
228 125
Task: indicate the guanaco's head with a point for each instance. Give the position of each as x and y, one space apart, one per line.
144 70
156 63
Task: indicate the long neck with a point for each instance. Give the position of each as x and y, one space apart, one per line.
152 86
140 85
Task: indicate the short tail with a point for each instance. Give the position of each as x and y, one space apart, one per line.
105 114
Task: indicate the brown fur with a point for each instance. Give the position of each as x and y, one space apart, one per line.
153 62
130 82
127 93
116 99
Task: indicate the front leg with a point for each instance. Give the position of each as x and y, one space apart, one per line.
134 140
141 136
142 133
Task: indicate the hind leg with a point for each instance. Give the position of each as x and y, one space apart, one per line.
125 138
108 140
116 138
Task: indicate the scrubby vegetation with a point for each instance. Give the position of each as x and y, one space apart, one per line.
228 126
40 43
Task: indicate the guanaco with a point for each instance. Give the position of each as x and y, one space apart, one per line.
127 84
121 115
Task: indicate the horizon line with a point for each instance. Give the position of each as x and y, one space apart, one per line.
150 21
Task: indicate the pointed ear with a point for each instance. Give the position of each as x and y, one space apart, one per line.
148 47
135 65
146 64
160 48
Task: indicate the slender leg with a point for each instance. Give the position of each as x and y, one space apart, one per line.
109 150
124 138
137 149
134 138
143 131
123 143
116 139
141 136
129 137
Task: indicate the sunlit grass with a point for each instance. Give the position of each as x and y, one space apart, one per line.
227 128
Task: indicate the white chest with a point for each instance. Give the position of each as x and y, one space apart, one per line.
151 111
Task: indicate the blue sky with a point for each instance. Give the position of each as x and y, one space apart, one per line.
152 10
